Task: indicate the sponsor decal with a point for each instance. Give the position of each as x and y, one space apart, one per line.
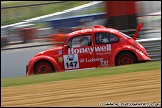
82 60
105 29
101 60
60 52
80 31
104 63
71 61
60 59
89 49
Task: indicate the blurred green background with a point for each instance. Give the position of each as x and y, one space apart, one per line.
14 15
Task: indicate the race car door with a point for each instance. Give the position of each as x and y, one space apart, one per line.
105 43
80 53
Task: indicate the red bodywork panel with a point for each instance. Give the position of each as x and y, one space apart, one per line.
93 56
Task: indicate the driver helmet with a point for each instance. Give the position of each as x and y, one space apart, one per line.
84 41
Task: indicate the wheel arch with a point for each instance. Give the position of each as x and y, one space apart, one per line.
125 51
45 60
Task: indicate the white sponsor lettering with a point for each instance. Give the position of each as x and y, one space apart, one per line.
104 63
80 31
101 60
83 60
105 29
89 50
90 60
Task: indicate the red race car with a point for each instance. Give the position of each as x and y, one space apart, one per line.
90 48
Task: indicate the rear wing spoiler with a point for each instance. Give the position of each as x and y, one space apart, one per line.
139 27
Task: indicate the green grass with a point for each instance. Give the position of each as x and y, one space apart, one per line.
14 15
24 80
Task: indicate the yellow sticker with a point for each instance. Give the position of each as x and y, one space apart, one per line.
60 59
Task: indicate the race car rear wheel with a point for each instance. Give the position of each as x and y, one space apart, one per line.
125 58
43 67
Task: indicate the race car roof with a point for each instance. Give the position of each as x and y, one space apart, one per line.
96 28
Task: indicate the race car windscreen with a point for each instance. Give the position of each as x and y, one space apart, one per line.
125 35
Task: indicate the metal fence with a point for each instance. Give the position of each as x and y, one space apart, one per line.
153 47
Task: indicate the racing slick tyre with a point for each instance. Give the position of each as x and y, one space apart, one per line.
42 67
125 58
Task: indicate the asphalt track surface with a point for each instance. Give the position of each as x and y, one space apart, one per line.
121 89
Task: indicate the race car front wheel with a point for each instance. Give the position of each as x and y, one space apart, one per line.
43 67
124 58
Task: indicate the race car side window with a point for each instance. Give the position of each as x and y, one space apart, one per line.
80 41
105 38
